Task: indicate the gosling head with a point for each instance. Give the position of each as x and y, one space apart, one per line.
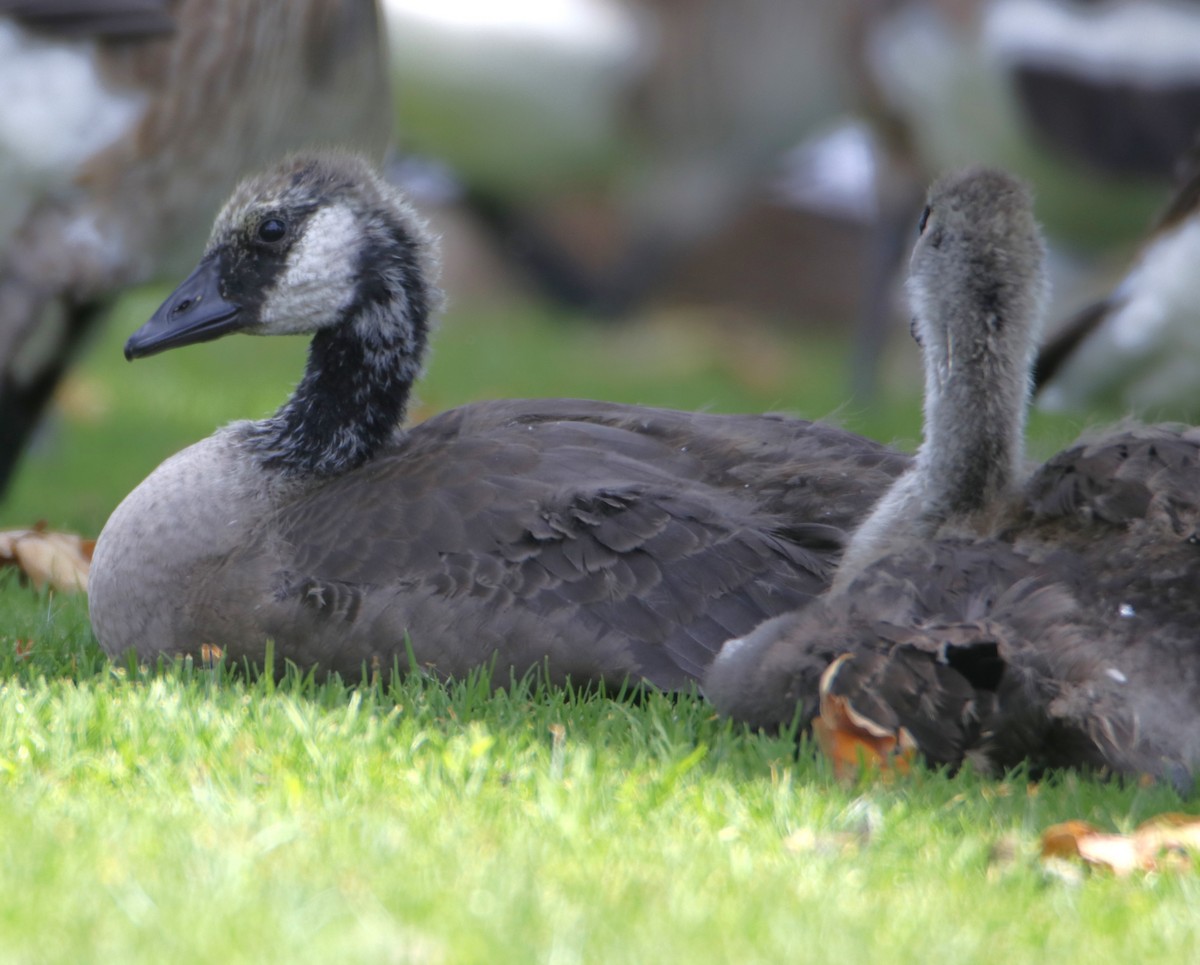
977 282
316 242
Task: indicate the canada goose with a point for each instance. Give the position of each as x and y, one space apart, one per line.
1092 102
1110 87
1140 344
657 122
124 123
611 541
990 618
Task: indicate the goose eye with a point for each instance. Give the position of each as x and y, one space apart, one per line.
271 230
923 222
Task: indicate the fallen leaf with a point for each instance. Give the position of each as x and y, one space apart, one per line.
47 558
1002 853
1064 871
82 399
853 742
211 654
807 841
1062 840
1159 843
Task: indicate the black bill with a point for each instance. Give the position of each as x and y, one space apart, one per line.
195 312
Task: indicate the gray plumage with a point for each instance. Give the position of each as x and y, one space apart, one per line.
995 618
603 541
978 287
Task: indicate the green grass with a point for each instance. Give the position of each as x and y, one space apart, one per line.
193 814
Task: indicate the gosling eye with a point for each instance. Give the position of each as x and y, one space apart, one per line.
271 230
923 222
915 332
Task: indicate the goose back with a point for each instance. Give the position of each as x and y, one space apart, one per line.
602 541
980 654
1129 502
1069 640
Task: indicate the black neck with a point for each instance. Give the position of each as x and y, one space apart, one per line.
357 383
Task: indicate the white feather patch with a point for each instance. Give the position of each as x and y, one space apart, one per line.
319 281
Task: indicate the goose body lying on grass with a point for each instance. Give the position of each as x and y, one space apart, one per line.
606 541
979 615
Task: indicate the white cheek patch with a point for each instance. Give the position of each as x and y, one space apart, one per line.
318 282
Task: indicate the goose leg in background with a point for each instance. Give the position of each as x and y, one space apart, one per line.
39 336
607 294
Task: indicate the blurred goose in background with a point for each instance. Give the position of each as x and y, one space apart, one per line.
1094 103
626 154
1113 86
1139 347
978 616
123 123
603 142
604 541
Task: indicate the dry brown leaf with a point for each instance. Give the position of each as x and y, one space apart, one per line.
807 841
83 399
853 742
1161 842
1062 840
47 558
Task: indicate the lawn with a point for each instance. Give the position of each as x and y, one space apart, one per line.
189 814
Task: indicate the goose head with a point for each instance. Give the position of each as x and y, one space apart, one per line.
319 244
313 243
976 283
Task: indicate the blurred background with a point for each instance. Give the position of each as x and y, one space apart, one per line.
691 203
